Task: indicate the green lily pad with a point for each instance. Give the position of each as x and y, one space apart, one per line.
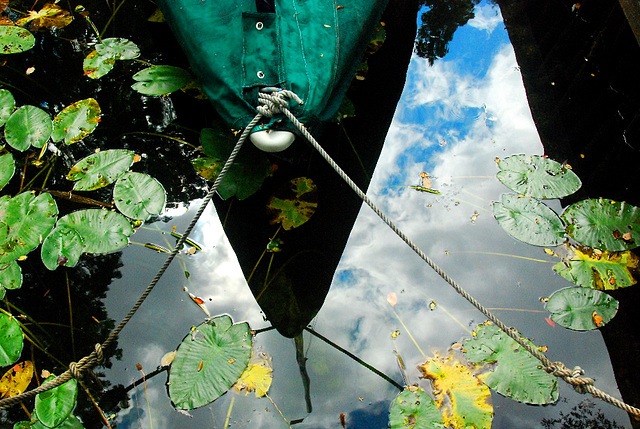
54 406
537 177
15 39
11 340
95 65
118 48
101 231
160 80
62 247
517 374
413 408
10 277
604 224
7 104
24 221
581 309
76 121
293 204
71 422
597 269
28 126
528 220
100 169
7 168
211 358
139 196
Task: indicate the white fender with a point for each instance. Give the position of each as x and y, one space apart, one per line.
272 141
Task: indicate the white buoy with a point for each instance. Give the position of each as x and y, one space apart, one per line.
272 141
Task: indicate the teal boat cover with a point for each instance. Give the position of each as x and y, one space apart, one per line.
311 47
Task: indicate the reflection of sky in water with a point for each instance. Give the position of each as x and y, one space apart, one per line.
453 120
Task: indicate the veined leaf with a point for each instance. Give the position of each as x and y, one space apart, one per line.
581 309
10 277
413 408
95 65
76 121
7 168
139 196
11 340
54 406
100 169
160 80
62 247
14 39
16 380
101 231
50 16
7 104
118 48
294 203
28 126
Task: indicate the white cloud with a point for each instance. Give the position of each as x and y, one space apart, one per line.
487 18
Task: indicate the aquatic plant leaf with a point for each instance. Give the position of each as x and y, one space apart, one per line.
50 16
603 224
100 169
160 80
7 168
256 377
576 308
597 269
102 231
528 220
15 39
95 65
76 121
71 422
54 406
28 126
16 380
24 222
118 48
7 104
139 196
516 374
413 408
10 277
463 399
537 177
62 247
294 203
208 362
11 340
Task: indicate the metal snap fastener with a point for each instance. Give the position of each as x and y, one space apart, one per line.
259 25
260 74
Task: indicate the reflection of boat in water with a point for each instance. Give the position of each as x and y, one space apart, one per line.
312 48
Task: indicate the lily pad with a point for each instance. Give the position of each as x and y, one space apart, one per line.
293 204
597 269
95 65
7 104
28 126
118 48
71 422
10 277
528 220
102 231
16 379
14 39
516 374
76 121
24 220
62 247
604 224
49 16
54 406
100 169
413 408
7 168
581 309
537 177
160 80
209 361
11 340
139 196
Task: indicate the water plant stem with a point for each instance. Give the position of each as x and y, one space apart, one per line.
73 338
226 421
408 332
478 252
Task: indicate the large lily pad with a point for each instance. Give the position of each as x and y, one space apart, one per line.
294 203
10 277
7 168
118 48
209 361
28 126
413 408
139 196
604 224
14 39
11 340
160 80
100 169
76 121
581 309
537 177
528 220
7 104
24 221
55 405
596 269
516 374
95 65
49 16
62 247
102 231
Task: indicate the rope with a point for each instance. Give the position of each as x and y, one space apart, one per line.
573 377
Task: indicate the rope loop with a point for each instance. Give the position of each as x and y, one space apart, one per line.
76 371
574 376
274 100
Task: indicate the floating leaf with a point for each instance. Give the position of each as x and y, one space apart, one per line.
463 399
597 269
257 376
160 80
604 224
71 422
95 65
11 340
516 374
24 220
54 406
208 362
16 380
76 121
573 308
100 169
15 39
50 16
413 408
7 168
10 277
118 48
537 177
293 204
7 104
102 231
139 196
528 220
62 247
28 126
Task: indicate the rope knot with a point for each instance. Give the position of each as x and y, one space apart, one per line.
572 376
274 100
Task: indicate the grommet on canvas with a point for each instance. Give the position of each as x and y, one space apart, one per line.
259 25
260 74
